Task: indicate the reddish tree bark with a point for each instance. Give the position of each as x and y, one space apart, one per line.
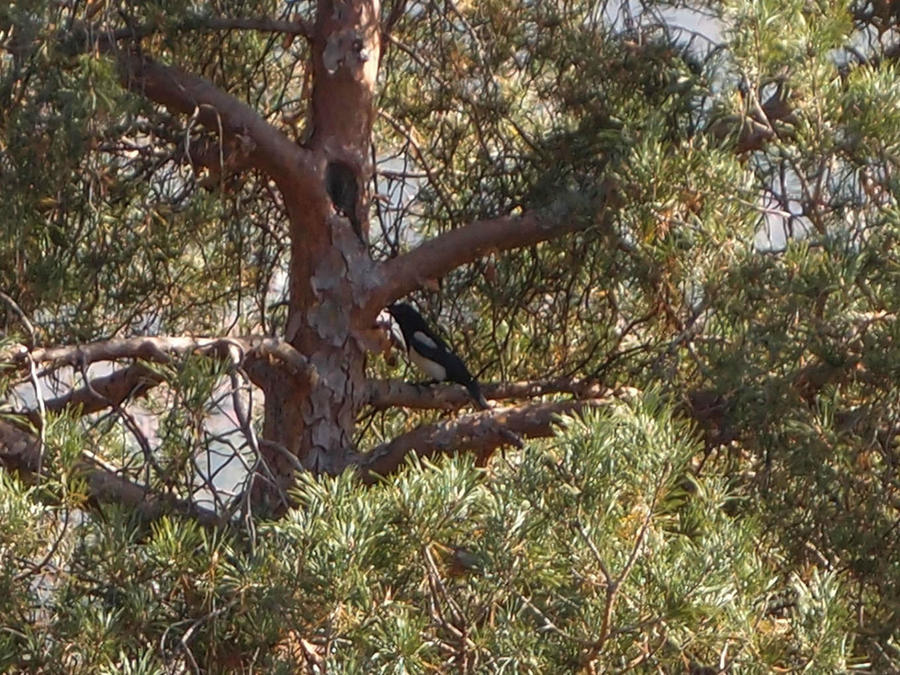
314 379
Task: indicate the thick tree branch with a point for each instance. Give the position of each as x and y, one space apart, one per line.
260 24
19 451
107 486
383 394
83 38
479 432
440 255
103 392
254 354
266 148
162 350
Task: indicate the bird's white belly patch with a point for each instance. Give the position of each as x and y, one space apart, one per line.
435 370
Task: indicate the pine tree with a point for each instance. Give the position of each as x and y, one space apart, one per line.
663 241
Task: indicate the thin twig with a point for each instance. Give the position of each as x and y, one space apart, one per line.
612 589
29 327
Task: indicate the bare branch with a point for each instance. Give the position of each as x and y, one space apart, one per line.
397 10
253 353
385 394
26 323
104 392
105 485
83 38
479 432
261 24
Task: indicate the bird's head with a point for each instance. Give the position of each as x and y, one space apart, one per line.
407 318
402 311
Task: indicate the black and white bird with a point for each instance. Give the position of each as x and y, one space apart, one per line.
426 349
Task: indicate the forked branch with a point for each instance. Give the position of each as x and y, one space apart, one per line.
20 451
255 354
160 350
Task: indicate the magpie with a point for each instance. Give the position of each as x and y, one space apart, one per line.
426 349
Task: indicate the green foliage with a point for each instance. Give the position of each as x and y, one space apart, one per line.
757 271
596 544
107 229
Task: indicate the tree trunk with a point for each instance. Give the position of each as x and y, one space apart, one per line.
313 421
314 378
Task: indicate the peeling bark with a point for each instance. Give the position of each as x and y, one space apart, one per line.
314 379
328 260
346 46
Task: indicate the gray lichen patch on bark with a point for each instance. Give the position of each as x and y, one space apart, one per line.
330 271
331 322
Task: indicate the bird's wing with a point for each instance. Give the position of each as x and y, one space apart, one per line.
434 349
429 345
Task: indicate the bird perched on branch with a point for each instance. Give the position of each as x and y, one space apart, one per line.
426 349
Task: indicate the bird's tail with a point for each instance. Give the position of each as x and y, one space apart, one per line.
477 396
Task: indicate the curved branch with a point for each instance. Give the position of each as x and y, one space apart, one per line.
266 147
397 10
383 394
254 354
297 27
107 486
438 256
478 432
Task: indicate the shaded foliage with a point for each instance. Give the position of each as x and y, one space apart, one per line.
448 567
